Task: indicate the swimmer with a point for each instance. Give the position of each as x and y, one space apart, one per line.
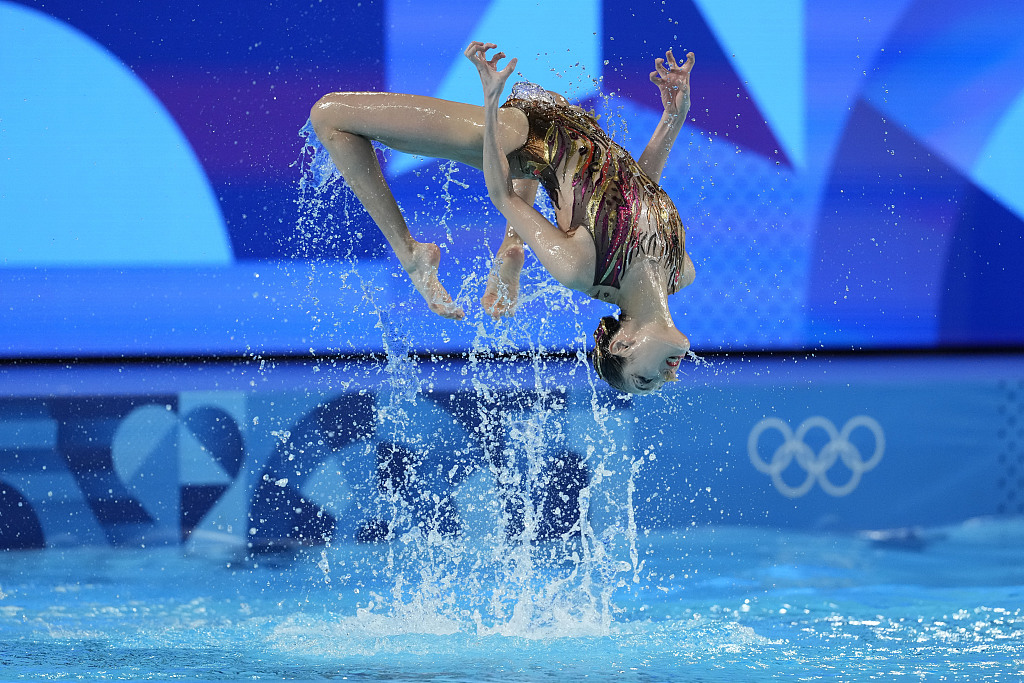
617 238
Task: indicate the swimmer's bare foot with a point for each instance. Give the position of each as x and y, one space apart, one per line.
423 273
502 292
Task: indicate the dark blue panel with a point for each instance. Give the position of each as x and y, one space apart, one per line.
637 33
983 294
557 498
884 226
279 516
219 434
196 502
401 476
268 221
281 519
19 527
333 36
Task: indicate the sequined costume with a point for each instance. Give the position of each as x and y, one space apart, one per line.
626 212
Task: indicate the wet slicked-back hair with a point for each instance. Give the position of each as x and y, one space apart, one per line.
609 366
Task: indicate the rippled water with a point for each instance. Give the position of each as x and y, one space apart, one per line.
714 604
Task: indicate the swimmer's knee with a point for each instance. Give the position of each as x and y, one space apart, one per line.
327 116
318 115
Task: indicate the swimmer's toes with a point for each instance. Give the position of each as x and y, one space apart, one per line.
449 310
423 273
440 302
502 292
497 306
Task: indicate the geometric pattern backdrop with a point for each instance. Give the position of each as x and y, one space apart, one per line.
850 176
262 458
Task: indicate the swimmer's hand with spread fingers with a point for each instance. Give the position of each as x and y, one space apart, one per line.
492 79
673 81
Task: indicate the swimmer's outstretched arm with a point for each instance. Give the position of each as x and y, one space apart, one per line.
673 81
569 256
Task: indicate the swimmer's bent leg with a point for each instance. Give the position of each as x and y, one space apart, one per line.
346 123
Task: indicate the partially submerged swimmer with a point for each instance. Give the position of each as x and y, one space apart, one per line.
631 251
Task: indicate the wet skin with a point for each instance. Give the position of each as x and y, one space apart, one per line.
653 358
347 123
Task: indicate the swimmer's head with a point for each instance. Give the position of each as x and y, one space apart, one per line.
640 360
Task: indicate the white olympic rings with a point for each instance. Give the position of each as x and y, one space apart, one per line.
816 465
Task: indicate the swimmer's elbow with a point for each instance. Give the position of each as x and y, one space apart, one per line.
511 206
507 207
502 194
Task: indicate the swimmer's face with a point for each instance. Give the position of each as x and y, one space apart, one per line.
651 361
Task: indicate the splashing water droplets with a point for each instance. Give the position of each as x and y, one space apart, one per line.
500 502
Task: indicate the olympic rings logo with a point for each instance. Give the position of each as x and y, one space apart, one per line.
815 465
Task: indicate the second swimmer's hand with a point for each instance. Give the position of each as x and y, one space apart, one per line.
673 81
492 79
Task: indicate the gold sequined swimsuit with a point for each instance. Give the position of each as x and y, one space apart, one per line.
626 212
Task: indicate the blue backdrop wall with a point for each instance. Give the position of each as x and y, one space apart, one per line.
850 175
260 456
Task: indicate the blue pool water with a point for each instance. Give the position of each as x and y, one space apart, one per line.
711 604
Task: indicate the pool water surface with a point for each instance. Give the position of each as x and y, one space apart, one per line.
711 604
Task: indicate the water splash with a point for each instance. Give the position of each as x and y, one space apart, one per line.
503 506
